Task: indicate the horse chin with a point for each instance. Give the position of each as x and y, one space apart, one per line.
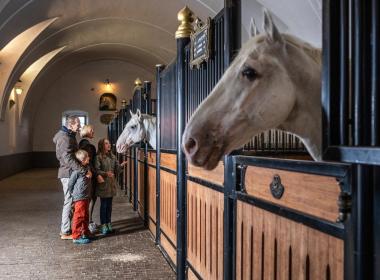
208 161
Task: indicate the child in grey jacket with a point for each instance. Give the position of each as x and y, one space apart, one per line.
80 186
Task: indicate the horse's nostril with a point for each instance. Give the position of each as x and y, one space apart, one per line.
191 146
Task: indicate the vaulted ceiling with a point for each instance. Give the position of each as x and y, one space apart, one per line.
138 31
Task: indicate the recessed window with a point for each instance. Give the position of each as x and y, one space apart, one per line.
82 115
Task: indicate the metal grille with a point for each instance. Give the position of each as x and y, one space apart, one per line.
168 103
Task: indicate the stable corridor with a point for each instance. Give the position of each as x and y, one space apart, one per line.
30 247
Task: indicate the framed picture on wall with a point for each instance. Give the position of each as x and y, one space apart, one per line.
107 102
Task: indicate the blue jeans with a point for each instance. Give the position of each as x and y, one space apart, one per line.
105 210
66 211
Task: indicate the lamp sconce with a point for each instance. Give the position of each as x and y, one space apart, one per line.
18 90
123 103
108 84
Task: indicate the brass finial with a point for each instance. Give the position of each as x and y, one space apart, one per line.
185 16
138 82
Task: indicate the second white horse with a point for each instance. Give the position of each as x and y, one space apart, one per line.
140 127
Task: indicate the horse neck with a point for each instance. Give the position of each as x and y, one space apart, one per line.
305 120
150 128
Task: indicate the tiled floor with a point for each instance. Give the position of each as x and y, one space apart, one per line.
30 247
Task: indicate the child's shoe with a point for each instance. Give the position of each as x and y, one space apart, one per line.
92 227
104 229
81 240
66 236
110 229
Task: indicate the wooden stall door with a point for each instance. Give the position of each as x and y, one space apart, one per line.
272 247
152 199
205 230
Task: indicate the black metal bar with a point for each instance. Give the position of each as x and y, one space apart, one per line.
181 162
135 179
206 184
147 98
362 193
229 220
375 81
163 168
166 151
344 73
310 167
330 74
359 155
376 221
159 69
130 163
375 130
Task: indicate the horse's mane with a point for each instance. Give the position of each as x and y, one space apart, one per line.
314 53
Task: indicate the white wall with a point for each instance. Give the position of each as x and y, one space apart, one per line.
73 91
302 18
15 137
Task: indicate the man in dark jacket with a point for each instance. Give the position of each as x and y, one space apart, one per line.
66 146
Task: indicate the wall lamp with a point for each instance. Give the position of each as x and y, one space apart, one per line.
18 90
107 84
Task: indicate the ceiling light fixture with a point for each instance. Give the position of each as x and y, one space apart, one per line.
18 90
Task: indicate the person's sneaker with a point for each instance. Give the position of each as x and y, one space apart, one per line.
65 236
110 229
104 229
81 240
90 236
92 227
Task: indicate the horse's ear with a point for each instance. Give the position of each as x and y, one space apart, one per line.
273 35
138 113
253 31
131 113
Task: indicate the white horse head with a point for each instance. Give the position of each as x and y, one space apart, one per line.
274 82
140 127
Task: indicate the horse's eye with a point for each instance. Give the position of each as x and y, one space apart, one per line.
133 126
249 73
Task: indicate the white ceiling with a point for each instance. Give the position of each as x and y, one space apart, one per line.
138 31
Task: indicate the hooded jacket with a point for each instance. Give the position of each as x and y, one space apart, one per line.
79 185
65 147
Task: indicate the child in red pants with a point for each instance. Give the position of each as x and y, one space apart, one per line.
79 186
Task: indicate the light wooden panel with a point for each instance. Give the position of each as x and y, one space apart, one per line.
152 192
168 206
205 230
152 158
132 178
215 176
169 161
140 154
140 192
269 246
169 248
312 194
152 227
